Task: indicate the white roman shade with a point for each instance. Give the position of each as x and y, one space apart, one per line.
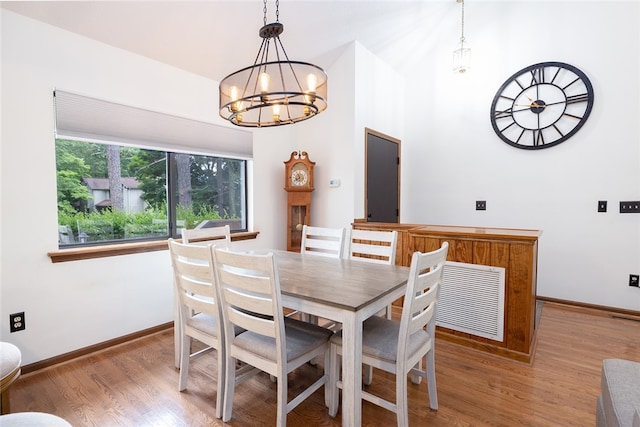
91 119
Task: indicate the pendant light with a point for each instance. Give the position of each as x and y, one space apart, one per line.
274 90
462 54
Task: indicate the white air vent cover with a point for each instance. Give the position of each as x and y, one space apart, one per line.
472 300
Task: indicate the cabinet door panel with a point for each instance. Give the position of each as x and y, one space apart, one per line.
482 253
460 250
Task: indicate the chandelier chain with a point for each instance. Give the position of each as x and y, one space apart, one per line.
264 12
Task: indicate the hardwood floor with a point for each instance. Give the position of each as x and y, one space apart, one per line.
135 384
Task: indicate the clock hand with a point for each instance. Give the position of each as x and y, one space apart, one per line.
533 104
536 105
529 107
556 103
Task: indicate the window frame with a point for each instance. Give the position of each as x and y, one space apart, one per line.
83 117
103 251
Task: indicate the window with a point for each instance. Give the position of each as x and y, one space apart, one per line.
111 193
129 174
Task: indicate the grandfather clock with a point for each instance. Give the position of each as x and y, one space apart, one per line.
299 185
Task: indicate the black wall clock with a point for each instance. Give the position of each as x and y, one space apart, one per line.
542 105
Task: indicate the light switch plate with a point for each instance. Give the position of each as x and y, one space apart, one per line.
602 206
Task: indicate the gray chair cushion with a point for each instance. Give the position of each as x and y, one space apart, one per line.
207 324
32 419
620 391
301 337
380 338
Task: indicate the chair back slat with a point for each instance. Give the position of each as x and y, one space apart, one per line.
322 241
247 320
373 246
423 316
220 236
238 295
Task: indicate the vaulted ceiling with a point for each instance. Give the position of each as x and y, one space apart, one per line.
213 38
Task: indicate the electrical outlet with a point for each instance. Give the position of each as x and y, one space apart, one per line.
481 205
16 322
634 280
630 207
602 206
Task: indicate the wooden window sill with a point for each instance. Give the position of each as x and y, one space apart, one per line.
88 252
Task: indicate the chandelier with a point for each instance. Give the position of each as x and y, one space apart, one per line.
462 54
273 91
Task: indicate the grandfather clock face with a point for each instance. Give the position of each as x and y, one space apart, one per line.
299 175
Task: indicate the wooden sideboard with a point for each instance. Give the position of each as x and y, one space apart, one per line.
515 250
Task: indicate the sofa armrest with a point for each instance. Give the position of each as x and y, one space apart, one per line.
621 392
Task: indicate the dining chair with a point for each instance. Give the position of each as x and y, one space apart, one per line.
249 291
378 247
322 241
398 347
199 310
221 236
373 246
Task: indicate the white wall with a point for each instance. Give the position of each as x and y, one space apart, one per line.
75 304
453 157
380 107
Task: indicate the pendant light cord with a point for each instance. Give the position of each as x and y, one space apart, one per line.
462 34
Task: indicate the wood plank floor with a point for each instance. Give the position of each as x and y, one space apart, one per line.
135 384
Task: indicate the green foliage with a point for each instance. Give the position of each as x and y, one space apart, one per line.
192 216
72 194
107 224
150 169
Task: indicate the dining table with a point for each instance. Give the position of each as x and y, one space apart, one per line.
345 291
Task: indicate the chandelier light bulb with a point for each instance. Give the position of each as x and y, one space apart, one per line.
235 105
462 57
312 82
264 82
